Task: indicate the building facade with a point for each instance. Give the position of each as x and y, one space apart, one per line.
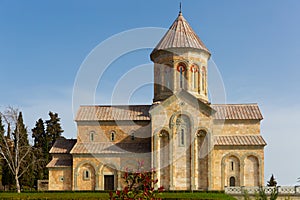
192 144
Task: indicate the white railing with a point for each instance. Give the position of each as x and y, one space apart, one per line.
233 190
290 190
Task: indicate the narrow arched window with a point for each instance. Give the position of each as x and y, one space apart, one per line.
167 80
232 165
92 135
182 137
181 69
203 81
86 174
112 136
194 70
132 136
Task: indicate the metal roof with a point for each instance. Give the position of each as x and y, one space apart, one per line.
180 34
240 140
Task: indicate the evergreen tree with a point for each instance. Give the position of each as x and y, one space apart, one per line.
53 129
2 162
41 150
6 175
272 182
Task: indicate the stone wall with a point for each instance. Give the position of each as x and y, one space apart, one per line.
123 131
60 178
100 166
221 166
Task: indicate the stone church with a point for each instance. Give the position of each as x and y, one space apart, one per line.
192 144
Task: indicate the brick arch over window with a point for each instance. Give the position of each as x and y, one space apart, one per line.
181 74
230 167
194 71
85 183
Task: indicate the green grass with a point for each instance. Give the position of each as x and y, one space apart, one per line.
197 195
105 196
55 195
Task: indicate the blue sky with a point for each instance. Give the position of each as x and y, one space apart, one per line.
255 45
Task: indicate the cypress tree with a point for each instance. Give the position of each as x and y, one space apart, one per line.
7 178
41 150
272 182
2 162
53 129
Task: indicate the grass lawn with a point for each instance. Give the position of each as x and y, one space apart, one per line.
105 196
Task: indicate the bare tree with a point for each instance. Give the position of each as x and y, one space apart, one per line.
13 151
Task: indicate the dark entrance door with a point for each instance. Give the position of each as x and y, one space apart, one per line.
109 182
232 181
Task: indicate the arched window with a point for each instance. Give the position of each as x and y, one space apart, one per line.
182 137
182 123
167 77
132 136
194 70
232 181
86 174
112 135
92 135
181 68
203 79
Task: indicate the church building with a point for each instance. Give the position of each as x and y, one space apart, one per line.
191 143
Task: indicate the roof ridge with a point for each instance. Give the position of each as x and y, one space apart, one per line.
234 104
115 105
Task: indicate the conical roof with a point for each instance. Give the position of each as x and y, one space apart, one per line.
180 34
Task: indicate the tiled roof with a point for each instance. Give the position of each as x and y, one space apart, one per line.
237 111
112 113
141 112
63 145
180 34
241 140
59 162
109 148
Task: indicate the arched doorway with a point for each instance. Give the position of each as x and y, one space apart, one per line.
109 178
232 182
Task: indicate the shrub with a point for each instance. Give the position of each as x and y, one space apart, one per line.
139 185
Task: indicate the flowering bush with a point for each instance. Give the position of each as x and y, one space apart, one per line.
139 185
